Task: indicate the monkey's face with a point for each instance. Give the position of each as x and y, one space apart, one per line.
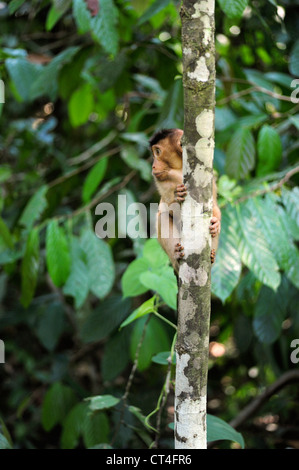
167 156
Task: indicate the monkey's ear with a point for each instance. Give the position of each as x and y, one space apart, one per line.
180 134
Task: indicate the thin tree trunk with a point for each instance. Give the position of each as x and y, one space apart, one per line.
194 299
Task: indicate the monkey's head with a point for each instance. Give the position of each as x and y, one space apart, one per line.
167 153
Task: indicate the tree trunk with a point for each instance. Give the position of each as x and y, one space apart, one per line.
194 299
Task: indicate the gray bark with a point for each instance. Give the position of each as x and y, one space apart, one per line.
194 298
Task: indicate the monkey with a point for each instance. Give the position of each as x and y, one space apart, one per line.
167 171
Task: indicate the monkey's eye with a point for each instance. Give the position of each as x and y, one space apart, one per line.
157 151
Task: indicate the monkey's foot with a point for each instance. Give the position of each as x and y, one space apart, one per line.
179 251
213 256
180 193
215 226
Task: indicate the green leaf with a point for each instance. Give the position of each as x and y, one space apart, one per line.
96 429
271 225
131 284
30 267
252 121
5 173
136 137
57 254
155 341
269 315
224 118
23 73
3 285
4 444
155 8
172 112
116 355
46 83
77 284
217 429
291 203
56 13
34 208
154 253
14 5
51 326
144 309
294 60
73 426
82 16
130 156
162 358
254 249
233 8
164 284
99 262
240 154
151 84
80 106
104 28
258 78
138 414
289 224
281 78
5 234
104 319
269 150
7 441
102 402
94 178
227 268
57 402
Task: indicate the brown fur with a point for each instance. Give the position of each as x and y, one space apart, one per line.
167 170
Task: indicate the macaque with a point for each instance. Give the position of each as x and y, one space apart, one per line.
167 170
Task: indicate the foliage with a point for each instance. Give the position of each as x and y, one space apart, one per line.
84 90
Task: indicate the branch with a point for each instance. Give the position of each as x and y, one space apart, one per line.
254 88
165 394
92 150
275 186
287 378
130 381
98 199
87 165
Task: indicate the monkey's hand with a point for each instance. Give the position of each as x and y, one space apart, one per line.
179 251
213 256
215 226
180 193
